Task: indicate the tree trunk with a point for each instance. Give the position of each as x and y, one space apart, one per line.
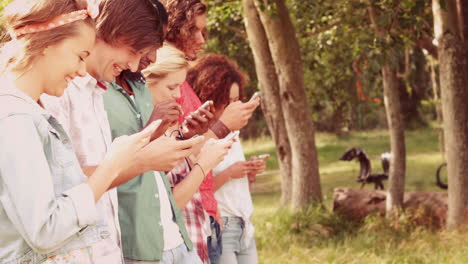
396 181
286 56
271 104
454 93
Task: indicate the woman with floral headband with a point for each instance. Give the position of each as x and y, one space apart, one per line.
47 205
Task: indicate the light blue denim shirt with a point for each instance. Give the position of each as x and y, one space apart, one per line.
45 206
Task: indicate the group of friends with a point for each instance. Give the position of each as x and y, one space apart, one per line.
118 139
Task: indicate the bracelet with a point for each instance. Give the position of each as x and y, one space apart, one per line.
220 129
204 175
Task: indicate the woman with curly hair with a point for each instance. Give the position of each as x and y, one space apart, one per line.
217 78
186 30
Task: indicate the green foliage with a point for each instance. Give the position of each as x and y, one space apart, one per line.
317 235
333 35
227 36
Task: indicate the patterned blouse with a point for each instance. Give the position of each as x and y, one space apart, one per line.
197 220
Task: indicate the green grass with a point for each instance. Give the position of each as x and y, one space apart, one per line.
319 236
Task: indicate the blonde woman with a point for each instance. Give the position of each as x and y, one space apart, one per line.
47 205
164 79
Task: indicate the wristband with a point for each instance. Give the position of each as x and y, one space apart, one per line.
198 164
220 129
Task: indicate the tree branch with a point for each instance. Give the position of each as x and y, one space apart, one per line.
373 18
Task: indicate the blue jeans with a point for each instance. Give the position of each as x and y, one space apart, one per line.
235 250
178 255
215 246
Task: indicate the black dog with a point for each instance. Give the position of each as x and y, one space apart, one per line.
365 176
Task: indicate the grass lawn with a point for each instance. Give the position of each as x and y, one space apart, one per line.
319 236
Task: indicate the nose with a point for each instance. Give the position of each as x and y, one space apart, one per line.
82 69
176 93
133 63
199 38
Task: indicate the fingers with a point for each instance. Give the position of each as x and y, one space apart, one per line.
145 135
170 104
192 123
199 118
251 105
208 114
189 143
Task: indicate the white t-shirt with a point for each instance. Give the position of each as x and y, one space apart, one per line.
234 196
171 232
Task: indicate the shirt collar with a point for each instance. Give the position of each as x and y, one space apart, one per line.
87 83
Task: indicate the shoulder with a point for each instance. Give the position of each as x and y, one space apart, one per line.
12 105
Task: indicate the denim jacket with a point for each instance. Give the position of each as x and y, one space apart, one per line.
45 206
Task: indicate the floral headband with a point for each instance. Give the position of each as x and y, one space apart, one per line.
92 11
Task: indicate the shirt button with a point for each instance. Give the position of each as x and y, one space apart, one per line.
160 223
156 195
138 116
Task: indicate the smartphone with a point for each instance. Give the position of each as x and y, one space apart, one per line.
255 95
231 135
264 156
203 106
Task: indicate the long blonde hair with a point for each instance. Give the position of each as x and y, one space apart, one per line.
19 53
169 59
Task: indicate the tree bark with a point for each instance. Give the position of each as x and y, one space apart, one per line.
286 56
396 181
271 104
454 94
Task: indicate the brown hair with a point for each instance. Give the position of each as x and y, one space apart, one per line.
17 54
212 77
181 25
136 23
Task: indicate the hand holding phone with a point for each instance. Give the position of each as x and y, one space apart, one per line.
205 106
255 95
264 156
231 136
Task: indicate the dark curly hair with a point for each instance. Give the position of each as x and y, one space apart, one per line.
181 24
212 77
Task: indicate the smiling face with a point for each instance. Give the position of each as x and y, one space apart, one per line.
148 58
65 60
107 61
168 87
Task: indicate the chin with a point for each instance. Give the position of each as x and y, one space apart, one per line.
108 78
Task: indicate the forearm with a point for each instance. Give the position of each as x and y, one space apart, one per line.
124 176
129 173
183 192
210 134
101 178
221 179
